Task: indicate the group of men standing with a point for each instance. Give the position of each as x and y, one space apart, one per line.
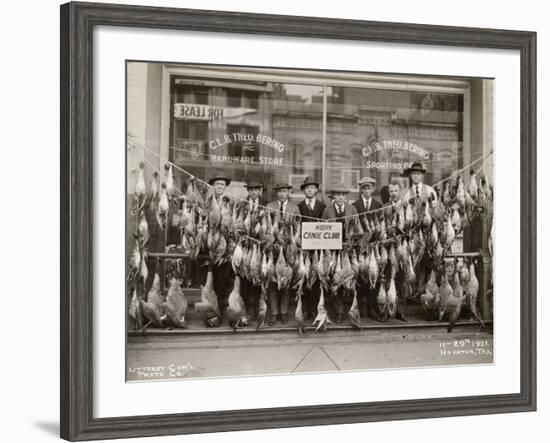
312 208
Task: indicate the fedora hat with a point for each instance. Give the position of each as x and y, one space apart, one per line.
339 188
253 184
281 186
416 166
219 176
309 180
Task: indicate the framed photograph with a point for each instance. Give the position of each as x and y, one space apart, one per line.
187 176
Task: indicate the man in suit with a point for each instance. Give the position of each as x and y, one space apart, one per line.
365 203
311 210
339 211
223 273
282 209
417 188
394 195
255 190
250 292
394 192
219 183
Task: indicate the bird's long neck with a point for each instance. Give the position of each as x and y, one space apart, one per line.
209 278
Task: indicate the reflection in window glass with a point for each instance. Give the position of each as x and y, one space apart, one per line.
271 132
379 133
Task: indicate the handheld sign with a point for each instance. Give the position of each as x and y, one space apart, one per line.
321 235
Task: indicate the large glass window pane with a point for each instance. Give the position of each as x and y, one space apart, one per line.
271 132
379 133
247 130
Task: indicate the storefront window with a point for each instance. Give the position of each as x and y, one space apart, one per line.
379 133
275 132
270 132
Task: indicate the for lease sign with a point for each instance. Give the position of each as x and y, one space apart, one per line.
321 235
189 111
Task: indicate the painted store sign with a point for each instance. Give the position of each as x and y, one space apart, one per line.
393 150
397 146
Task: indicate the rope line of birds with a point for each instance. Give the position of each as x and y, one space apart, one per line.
383 247
371 211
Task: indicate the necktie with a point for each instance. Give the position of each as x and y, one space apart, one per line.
281 207
340 210
311 205
417 192
367 204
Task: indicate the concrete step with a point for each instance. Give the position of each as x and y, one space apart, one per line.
195 326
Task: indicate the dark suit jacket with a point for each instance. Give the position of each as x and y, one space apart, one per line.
291 210
261 201
330 214
306 212
374 204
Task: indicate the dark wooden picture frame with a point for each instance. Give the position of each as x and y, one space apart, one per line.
77 24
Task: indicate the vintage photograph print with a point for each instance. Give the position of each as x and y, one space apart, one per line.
286 221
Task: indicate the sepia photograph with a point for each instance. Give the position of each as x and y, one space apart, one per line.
283 221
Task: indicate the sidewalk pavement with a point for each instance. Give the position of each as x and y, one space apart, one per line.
170 357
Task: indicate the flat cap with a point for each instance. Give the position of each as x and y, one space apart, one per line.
366 181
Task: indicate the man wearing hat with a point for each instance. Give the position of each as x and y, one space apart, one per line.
339 208
282 209
366 202
311 210
254 198
250 292
419 191
417 188
219 181
339 211
363 204
223 273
